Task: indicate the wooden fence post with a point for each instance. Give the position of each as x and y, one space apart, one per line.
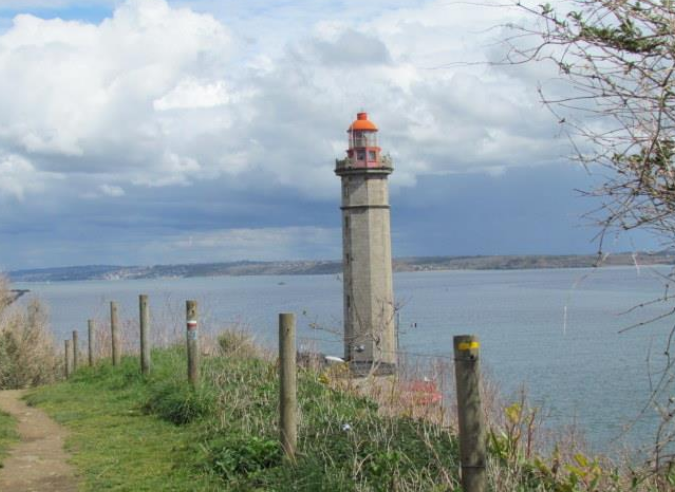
90 341
69 358
146 363
472 445
192 343
114 333
288 385
76 350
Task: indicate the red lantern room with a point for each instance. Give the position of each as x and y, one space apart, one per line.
363 150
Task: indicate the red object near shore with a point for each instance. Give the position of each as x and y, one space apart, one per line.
422 392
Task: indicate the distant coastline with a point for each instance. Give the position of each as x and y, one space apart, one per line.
311 267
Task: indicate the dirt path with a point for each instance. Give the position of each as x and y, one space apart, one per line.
38 462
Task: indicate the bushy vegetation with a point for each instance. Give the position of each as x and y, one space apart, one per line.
238 342
131 432
224 435
344 443
27 355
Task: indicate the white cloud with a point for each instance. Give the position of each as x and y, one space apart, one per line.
173 169
85 91
18 177
158 95
191 94
111 190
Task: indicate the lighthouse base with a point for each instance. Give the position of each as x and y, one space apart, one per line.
364 368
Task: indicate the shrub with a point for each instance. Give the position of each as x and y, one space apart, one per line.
239 343
240 454
177 402
27 355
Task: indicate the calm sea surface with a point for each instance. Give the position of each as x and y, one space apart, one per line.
556 331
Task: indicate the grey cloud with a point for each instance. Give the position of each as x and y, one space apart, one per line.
258 153
353 48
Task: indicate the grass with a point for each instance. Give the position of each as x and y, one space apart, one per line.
128 432
135 433
115 445
8 435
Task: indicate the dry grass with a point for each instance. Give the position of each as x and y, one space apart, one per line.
236 340
27 352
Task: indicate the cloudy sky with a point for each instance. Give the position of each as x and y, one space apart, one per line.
154 131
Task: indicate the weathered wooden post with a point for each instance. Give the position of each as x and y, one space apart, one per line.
76 350
69 358
145 328
90 341
288 385
114 333
472 446
192 343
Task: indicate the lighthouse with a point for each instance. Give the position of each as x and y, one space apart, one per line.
369 327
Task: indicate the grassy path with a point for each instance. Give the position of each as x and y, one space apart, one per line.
38 462
115 445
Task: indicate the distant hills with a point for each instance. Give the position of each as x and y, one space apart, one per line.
414 264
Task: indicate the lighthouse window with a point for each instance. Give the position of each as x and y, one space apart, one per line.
361 155
371 155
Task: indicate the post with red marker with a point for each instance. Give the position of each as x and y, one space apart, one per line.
192 343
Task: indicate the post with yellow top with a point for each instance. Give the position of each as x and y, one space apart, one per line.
288 390
192 343
472 446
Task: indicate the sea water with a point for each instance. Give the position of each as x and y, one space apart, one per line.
558 332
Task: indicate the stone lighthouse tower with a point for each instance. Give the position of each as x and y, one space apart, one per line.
369 328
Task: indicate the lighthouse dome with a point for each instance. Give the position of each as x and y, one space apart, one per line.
362 123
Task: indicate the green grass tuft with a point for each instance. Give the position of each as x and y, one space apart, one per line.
8 435
175 401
